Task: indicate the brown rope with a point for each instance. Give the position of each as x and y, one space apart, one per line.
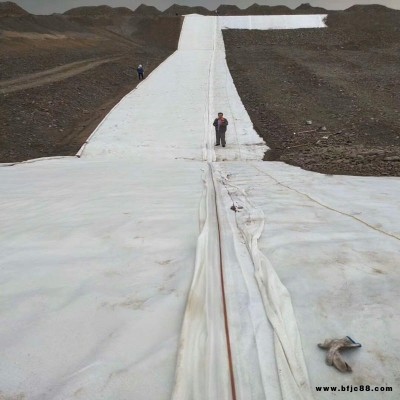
228 340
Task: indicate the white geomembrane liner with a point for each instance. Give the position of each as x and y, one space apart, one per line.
96 263
263 22
334 242
106 257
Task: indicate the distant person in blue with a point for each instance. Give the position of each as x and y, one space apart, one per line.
220 125
140 72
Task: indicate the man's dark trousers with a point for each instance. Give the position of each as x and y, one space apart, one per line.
220 136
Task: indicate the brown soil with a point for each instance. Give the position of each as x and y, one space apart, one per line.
144 9
226 9
8 9
257 9
307 8
176 9
99 11
345 80
62 74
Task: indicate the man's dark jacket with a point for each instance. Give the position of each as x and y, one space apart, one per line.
222 127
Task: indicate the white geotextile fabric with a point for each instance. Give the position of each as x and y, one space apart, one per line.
98 253
335 244
96 262
202 366
166 116
257 296
266 22
68 225
289 358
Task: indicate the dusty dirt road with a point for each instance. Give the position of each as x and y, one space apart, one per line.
51 75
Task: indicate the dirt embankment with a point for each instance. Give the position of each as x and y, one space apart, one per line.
62 73
10 9
255 9
176 9
326 100
144 9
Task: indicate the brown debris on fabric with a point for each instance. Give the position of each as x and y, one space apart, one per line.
334 346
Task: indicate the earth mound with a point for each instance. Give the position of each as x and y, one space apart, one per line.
281 10
369 8
10 9
307 8
42 24
146 10
99 11
225 9
366 26
177 9
256 9
123 11
88 11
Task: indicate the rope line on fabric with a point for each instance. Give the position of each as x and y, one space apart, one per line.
228 339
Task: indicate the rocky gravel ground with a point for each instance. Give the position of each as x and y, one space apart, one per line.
327 100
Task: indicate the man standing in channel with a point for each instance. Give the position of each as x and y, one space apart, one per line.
220 124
